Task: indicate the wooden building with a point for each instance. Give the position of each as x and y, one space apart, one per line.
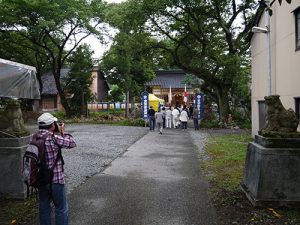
174 80
50 99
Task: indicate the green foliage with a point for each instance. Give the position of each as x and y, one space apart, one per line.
59 115
116 94
202 38
105 113
50 25
125 64
209 124
17 48
80 79
131 122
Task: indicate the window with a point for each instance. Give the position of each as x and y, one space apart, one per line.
297 20
297 107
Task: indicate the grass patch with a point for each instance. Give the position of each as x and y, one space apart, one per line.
227 157
224 169
18 212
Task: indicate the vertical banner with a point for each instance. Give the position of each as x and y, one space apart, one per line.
145 104
199 104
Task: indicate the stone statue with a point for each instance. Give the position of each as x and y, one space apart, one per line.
279 121
11 121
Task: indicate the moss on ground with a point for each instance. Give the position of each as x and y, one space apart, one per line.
18 212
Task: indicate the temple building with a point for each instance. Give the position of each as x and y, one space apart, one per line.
171 82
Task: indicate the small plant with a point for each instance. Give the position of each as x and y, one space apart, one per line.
209 124
59 115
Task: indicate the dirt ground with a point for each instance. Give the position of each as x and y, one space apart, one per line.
234 208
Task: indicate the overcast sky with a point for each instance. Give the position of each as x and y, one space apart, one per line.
96 46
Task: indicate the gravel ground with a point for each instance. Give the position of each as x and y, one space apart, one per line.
97 146
199 139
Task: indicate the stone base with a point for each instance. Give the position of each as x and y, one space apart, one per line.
11 164
272 172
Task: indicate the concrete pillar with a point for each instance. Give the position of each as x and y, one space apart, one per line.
272 172
11 163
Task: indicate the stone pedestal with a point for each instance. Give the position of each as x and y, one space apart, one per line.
11 163
272 171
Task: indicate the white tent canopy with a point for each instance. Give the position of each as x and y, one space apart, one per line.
18 80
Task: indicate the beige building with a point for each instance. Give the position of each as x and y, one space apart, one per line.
285 61
50 99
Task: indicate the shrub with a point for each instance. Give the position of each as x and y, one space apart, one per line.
209 124
59 115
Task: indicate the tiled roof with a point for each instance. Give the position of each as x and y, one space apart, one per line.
49 87
168 78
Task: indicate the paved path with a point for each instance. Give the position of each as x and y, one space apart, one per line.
156 182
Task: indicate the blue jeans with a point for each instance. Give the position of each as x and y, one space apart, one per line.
183 125
152 122
59 200
196 124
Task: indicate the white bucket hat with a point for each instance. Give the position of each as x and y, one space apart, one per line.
46 119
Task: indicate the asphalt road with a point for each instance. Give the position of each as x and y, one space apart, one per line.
157 181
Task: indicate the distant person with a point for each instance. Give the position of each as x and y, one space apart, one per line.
175 115
55 139
184 117
168 118
151 118
191 110
195 118
163 110
159 118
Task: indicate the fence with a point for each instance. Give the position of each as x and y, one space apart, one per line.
97 106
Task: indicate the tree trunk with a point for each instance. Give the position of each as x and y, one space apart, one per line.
223 102
64 102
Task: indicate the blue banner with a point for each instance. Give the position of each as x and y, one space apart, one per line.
145 104
199 104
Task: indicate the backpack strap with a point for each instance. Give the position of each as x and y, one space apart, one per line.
43 156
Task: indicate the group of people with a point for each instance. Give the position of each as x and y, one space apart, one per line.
166 116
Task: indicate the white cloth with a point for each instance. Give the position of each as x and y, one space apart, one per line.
168 118
175 114
184 116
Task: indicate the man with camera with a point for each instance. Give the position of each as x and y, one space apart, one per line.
55 138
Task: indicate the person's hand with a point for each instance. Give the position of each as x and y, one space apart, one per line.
61 128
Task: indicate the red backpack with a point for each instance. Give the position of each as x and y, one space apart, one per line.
35 170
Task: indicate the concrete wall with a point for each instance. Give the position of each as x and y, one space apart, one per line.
103 89
94 85
11 164
285 60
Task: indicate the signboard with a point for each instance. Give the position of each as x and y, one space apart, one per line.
145 104
199 104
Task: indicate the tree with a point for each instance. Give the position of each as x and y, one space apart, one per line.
116 94
14 47
129 62
79 79
202 38
57 27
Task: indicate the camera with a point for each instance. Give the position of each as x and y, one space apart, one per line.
58 125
